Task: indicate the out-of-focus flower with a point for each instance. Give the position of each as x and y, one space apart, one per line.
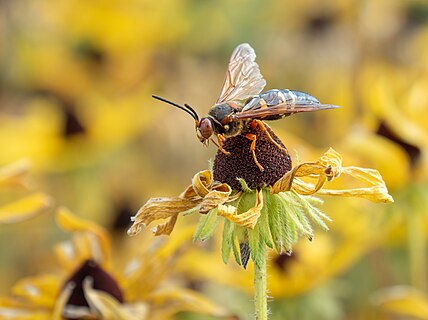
26 207
402 301
89 283
272 211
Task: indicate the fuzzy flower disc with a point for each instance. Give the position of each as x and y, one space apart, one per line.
240 163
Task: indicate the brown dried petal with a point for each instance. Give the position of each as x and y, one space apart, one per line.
160 208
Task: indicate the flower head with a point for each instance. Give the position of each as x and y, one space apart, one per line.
89 284
271 208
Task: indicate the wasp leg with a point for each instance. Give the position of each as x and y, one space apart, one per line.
257 123
221 139
253 139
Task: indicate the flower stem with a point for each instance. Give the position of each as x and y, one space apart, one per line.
260 289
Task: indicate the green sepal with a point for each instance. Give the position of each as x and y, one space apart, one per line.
206 226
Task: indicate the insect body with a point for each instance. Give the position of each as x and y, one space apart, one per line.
242 107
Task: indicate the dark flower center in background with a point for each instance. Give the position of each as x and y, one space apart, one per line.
101 281
283 261
413 152
240 163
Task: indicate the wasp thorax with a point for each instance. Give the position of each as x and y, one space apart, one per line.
205 129
240 162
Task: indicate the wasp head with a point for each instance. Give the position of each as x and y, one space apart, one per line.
204 129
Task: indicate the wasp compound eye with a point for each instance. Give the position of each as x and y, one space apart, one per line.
240 162
206 128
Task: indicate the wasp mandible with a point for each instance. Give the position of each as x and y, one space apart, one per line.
241 107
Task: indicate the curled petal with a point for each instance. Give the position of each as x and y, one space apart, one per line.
247 219
160 208
376 191
219 195
202 182
326 169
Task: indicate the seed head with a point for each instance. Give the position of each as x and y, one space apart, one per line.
240 162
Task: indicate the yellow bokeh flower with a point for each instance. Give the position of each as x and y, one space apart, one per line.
89 283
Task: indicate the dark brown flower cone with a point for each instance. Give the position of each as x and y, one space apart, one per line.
240 163
101 281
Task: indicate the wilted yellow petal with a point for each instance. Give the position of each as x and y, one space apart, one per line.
219 195
167 227
42 290
160 208
247 219
94 234
25 208
326 169
376 191
108 307
12 173
201 182
403 300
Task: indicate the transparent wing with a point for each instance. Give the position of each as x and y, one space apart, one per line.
282 109
243 77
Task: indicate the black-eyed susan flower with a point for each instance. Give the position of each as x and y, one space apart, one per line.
271 209
90 284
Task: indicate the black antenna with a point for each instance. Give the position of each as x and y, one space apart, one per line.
186 107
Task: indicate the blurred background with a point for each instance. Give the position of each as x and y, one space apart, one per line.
76 79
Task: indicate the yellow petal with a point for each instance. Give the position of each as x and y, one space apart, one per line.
12 173
179 299
24 314
403 300
109 308
25 208
61 301
247 219
41 290
93 234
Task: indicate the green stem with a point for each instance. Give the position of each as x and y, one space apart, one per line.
260 289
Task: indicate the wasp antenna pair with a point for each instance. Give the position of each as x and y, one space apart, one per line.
186 108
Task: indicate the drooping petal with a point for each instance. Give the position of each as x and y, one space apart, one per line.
328 167
201 190
247 219
160 208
